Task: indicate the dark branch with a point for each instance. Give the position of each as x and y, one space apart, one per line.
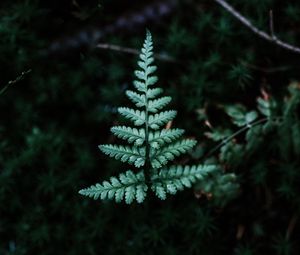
19 78
132 51
269 37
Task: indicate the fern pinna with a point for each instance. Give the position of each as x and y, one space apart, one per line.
151 145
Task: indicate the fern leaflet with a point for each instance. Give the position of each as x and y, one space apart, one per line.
168 153
160 138
177 177
157 104
132 135
133 155
137 116
128 186
158 119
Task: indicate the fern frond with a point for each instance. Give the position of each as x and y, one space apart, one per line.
161 157
177 177
160 138
159 119
157 104
132 155
137 116
132 135
129 186
138 99
152 146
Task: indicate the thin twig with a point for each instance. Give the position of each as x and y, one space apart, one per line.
19 78
132 51
229 138
268 69
241 130
272 25
271 38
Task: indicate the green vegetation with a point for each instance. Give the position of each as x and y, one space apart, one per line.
236 93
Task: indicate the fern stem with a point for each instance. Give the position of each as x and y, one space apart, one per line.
147 152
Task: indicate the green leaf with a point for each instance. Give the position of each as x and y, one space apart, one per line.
152 93
175 178
239 115
132 135
138 117
157 104
162 156
151 80
250 117
132 155
159 119
160 138
140 86
138 99
266 106
128 187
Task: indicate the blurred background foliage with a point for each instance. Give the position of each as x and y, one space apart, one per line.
54 117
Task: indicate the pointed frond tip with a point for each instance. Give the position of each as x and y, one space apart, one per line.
145 74
176 178
128 187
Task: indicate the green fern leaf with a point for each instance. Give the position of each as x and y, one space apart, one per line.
161 157
132 155
138 117
157 104
132 135
152 93
140 86
159 119
159 190
129 186
141 75
160 138
151 80
176 178
138 99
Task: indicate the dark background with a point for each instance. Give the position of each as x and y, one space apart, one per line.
53 119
